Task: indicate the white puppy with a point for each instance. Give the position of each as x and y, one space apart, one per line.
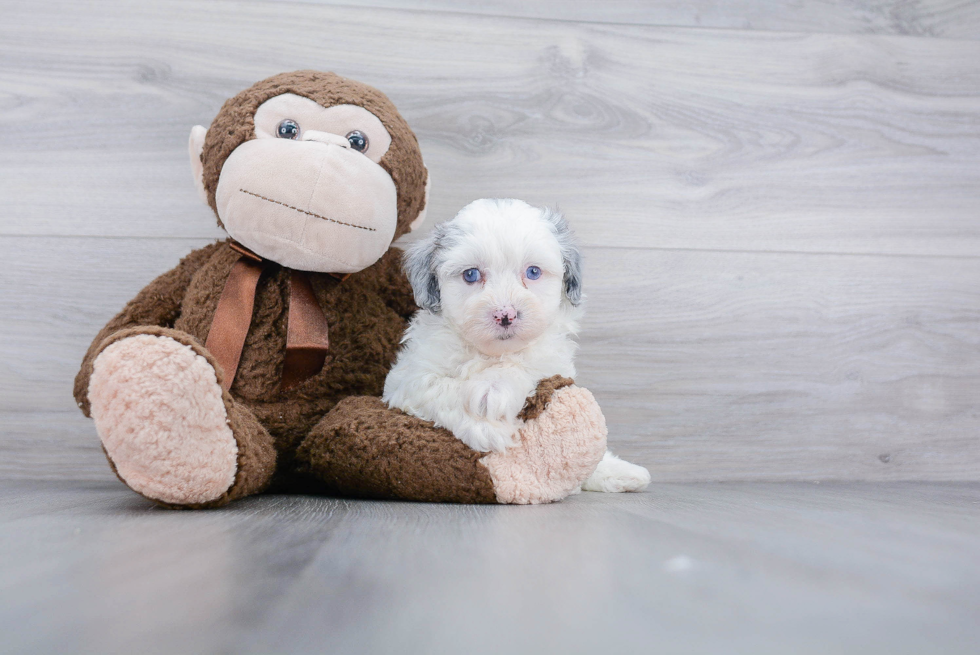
500 290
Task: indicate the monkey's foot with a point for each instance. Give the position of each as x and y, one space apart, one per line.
556 450
159 411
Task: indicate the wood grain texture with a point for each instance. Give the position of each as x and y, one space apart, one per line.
951 19
646 136
788 366
709 568
40 445
782 228
708 365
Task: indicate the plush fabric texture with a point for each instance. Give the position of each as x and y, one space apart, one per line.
366 313
163 421
350 445
555 452
306 206
537 403
174 435
235 125
328 123
256 459
364 449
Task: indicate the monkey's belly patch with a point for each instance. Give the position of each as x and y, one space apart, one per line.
158 409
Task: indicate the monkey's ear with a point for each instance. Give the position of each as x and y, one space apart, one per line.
195 147
425 207
420 267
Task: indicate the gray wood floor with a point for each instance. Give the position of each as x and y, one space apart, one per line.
687 568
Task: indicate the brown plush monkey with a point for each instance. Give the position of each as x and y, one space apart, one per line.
256 363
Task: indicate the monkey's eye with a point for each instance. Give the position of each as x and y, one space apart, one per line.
358 140
287 129
471 275
532 272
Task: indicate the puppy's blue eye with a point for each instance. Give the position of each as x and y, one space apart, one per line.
471 275
533 272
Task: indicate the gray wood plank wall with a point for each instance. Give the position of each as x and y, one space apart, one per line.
781 218
951 19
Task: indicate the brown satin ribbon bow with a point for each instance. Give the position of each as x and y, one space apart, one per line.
306 327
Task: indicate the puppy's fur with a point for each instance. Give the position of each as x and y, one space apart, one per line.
500 289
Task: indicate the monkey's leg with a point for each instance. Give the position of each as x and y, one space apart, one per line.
168 429
362 448
559 447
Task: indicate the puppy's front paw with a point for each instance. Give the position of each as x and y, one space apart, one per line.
493 400
486 436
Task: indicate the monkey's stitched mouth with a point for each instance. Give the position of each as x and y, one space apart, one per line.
303 211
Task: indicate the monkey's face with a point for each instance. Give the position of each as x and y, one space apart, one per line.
309 190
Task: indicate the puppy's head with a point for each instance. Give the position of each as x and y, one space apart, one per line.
500 272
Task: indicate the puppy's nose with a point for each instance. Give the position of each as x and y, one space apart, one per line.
505 316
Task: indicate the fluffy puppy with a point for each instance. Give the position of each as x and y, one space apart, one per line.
500 290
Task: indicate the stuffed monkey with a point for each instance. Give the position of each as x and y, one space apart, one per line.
256 364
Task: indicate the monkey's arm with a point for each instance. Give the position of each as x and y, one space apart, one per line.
157 305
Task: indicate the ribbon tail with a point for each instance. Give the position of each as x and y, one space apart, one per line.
307 339
233 317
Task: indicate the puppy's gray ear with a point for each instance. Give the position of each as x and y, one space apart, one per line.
570 254
573 275
420 266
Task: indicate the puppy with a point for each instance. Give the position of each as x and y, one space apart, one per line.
500 289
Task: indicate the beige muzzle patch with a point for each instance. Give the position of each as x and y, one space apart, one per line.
308 205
